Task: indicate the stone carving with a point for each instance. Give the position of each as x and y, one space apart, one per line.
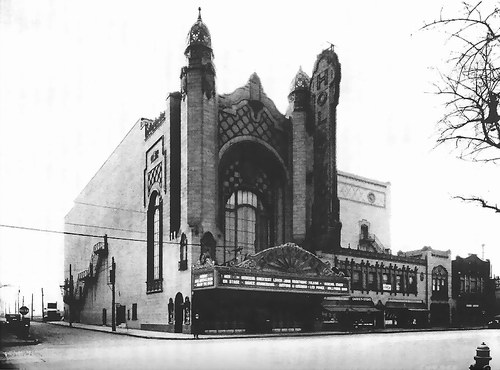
243 120
360 194
288 258
155 176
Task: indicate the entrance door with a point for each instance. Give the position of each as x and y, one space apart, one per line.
104 316
120 314
178 312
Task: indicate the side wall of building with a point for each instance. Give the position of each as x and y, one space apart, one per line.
362 200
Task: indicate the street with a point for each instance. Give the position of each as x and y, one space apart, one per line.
71 348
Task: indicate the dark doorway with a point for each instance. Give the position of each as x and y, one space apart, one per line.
440 314
178 312
120 314
104 316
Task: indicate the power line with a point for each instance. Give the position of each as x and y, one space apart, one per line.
49 231
109 207
228 247
104 227
89 235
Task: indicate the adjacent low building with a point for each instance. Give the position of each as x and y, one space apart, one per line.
473 291
438 280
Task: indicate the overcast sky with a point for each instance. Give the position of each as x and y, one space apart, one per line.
76 75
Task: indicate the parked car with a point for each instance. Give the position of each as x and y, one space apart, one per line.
494 324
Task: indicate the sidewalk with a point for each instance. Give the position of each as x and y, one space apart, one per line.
139 333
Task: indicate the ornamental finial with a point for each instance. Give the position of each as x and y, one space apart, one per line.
199 13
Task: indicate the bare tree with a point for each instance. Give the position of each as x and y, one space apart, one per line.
471 85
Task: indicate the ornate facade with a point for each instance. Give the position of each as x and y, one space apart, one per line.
226 208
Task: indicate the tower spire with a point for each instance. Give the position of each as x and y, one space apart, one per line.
199 13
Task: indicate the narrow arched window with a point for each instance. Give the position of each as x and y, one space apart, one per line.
439 283
246 224
154 244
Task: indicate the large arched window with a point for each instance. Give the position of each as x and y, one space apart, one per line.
154 242
252 201
246 223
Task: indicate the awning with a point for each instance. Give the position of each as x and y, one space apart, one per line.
406 305
349 304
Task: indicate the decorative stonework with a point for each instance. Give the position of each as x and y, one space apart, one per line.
235 176
288 258
152 125
362 195
155 176
199 34
243 120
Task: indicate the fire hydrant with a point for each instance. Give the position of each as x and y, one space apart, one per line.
482 358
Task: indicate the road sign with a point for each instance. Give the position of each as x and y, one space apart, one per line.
24 310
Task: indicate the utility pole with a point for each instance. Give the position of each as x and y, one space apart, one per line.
31 306
70 296
18 292
113 278
42 305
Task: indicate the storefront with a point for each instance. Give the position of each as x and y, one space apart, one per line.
278 289
440 314
346 313
403 313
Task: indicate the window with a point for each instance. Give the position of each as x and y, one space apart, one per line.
134 311
246 226
252 203
386 283
398 283
183 253
356 280
462 284
154 244
364 232
372 281
439 283
473 284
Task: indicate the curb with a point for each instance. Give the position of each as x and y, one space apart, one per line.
264 336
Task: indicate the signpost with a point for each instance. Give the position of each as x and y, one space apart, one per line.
24 310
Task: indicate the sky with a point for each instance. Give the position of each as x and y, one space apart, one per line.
76 75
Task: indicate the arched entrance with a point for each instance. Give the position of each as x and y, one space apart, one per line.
178 312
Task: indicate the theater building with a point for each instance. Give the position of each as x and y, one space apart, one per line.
224 209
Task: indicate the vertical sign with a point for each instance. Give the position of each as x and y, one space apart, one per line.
325 84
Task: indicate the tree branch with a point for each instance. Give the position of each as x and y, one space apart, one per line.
481 201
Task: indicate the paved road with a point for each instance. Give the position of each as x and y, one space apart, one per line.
67 348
